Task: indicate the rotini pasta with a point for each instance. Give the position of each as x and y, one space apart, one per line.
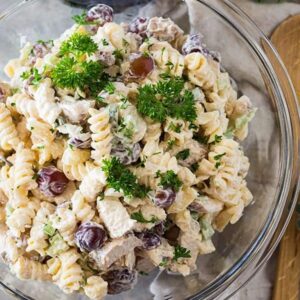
118 154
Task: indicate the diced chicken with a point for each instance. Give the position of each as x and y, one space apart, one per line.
183 269
149 212
115 217
157 255
76 111
204 204
114 250
185 222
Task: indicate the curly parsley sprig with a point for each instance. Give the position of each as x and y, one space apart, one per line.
169 180
122 179
78 44
166 98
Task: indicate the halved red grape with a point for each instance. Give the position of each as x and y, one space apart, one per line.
141 65
159 228
52 181
120 280
81 143
90 236
101 13
164 198
126 155
150 239
139 26
172 234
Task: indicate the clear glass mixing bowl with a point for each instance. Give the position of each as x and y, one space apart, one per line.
272 145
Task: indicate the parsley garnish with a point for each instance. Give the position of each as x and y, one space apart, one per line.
33 76
181 252
104 42
164 262
202 139
176 128
170 65
184 154
110 88
126 129
118 54
69 73
82 19
218 139
138 216
125 43
78 44
169 180
171 143
122 179
218 159
166 98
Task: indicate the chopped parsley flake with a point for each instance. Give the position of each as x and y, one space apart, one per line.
181 252
169 180
138 216
175 127
110 88
33 76
218 158
118 54
164 262
170 143
104 42
184 154
82 19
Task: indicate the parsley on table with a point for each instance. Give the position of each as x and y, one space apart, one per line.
181 252
138 216
78 44
218 158
184 154
166 98
122 179
169 180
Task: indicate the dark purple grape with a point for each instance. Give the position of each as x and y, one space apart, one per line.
120 280
196 206
159 228
39 50
141 65
52 181
81 143
100 13
126 155
172 234
139 26
150 239
164 198
90 236
194 43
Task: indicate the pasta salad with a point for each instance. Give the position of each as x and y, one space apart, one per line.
119 147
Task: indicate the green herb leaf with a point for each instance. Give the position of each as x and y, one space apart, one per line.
69 73
176 128
164 262
184 154
110 88
138 216
78 44
82 20
122 179
171 143
118 54
169 180
166 98
33 75
181 252
104 42
218 159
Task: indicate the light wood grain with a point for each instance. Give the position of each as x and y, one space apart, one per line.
286 39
